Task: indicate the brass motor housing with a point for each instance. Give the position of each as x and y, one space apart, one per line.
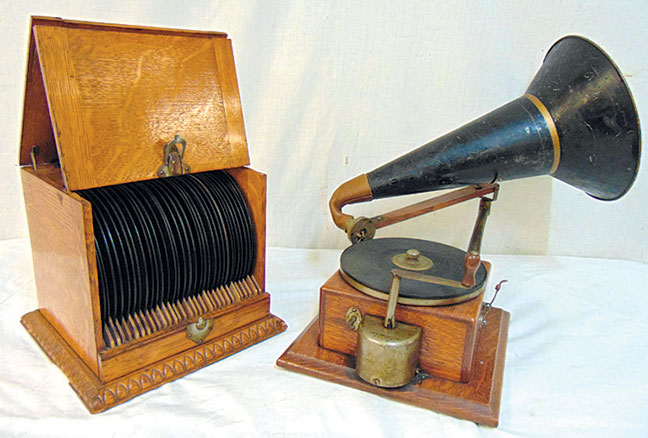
387 357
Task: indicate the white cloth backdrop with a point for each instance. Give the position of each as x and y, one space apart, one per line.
575 365
333 89
330 90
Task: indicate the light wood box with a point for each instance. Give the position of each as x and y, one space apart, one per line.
101 101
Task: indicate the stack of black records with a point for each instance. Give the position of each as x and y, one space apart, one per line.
163 240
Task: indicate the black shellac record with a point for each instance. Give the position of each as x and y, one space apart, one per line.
219 246
225 226
146 254
239 219
231 223
134 232
116 251
152 230
130 250
105 268
192 202
190 226
369 263
164 241
246 221
209 235
178 232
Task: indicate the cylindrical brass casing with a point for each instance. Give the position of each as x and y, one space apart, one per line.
387 357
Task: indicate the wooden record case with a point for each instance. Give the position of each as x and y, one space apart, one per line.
101 102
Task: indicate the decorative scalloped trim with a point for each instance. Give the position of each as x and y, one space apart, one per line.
98 396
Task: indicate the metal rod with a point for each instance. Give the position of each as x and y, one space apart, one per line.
434 204
472 261
390 316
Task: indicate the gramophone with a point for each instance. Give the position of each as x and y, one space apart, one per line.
404 318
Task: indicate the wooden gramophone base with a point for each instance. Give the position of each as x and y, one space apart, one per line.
99 396
478 400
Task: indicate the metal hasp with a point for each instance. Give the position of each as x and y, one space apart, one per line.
173 164
388 350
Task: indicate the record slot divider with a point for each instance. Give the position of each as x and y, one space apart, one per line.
146 323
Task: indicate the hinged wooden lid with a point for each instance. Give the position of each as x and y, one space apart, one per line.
106 99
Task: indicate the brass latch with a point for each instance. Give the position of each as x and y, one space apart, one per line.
199 330
173 164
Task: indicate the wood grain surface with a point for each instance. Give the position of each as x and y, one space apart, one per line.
125 359
37 127
65 283
116 98
254 187
448 332
477 400
100 395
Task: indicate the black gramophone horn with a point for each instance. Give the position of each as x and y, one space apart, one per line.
576 122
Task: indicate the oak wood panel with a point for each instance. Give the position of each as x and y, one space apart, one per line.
48 173
254 187
64 104
231 101
448 332
93 273
122 360
116 98
477 400
91 25
37 125
67 292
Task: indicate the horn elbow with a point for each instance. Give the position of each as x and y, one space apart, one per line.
351 192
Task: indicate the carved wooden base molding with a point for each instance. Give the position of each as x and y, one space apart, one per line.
99 396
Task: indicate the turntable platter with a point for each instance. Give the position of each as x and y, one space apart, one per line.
367 266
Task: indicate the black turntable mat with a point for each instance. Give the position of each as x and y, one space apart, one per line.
367 266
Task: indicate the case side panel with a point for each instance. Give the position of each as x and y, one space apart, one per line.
37 125
253 184
92 270
64 105
57 229
232 103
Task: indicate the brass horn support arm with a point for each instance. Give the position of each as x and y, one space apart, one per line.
473 257
358 190
436 203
